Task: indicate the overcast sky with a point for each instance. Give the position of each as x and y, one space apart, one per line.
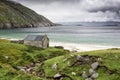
76 10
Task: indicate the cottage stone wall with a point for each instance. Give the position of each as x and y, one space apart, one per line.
34 43
44 43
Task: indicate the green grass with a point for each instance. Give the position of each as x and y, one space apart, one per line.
108 59
21 55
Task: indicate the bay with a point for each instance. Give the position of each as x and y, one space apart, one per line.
79 34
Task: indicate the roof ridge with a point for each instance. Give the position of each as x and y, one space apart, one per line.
34 37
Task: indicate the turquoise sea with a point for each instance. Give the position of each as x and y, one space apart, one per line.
107 35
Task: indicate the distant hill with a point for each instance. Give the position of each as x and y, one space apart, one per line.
102 23
15 15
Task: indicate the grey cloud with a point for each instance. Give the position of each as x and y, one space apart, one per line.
105 5
110 9
106 9
76 10
47 1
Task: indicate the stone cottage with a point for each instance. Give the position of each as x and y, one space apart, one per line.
41 41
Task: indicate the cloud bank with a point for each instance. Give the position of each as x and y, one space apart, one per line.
76 10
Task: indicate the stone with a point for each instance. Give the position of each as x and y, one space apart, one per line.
91 71
99 59
80 58
94 65
23 70
89 79
84 75
55 66
95 75
57 75
41 72
20 67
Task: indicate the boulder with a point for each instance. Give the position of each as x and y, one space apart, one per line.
57 76
95 75
91 71
89 79
84 75
94 65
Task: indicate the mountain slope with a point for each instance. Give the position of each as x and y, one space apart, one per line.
15 15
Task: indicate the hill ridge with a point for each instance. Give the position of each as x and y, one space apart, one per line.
15 15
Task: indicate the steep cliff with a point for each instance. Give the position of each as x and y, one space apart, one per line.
15 15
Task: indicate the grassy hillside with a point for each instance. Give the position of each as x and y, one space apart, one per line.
13 55
14 15
110 60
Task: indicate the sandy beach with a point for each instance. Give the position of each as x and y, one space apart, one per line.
80 47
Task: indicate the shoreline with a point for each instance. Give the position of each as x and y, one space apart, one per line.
80 47
74 46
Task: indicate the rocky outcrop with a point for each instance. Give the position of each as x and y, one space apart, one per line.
15 15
